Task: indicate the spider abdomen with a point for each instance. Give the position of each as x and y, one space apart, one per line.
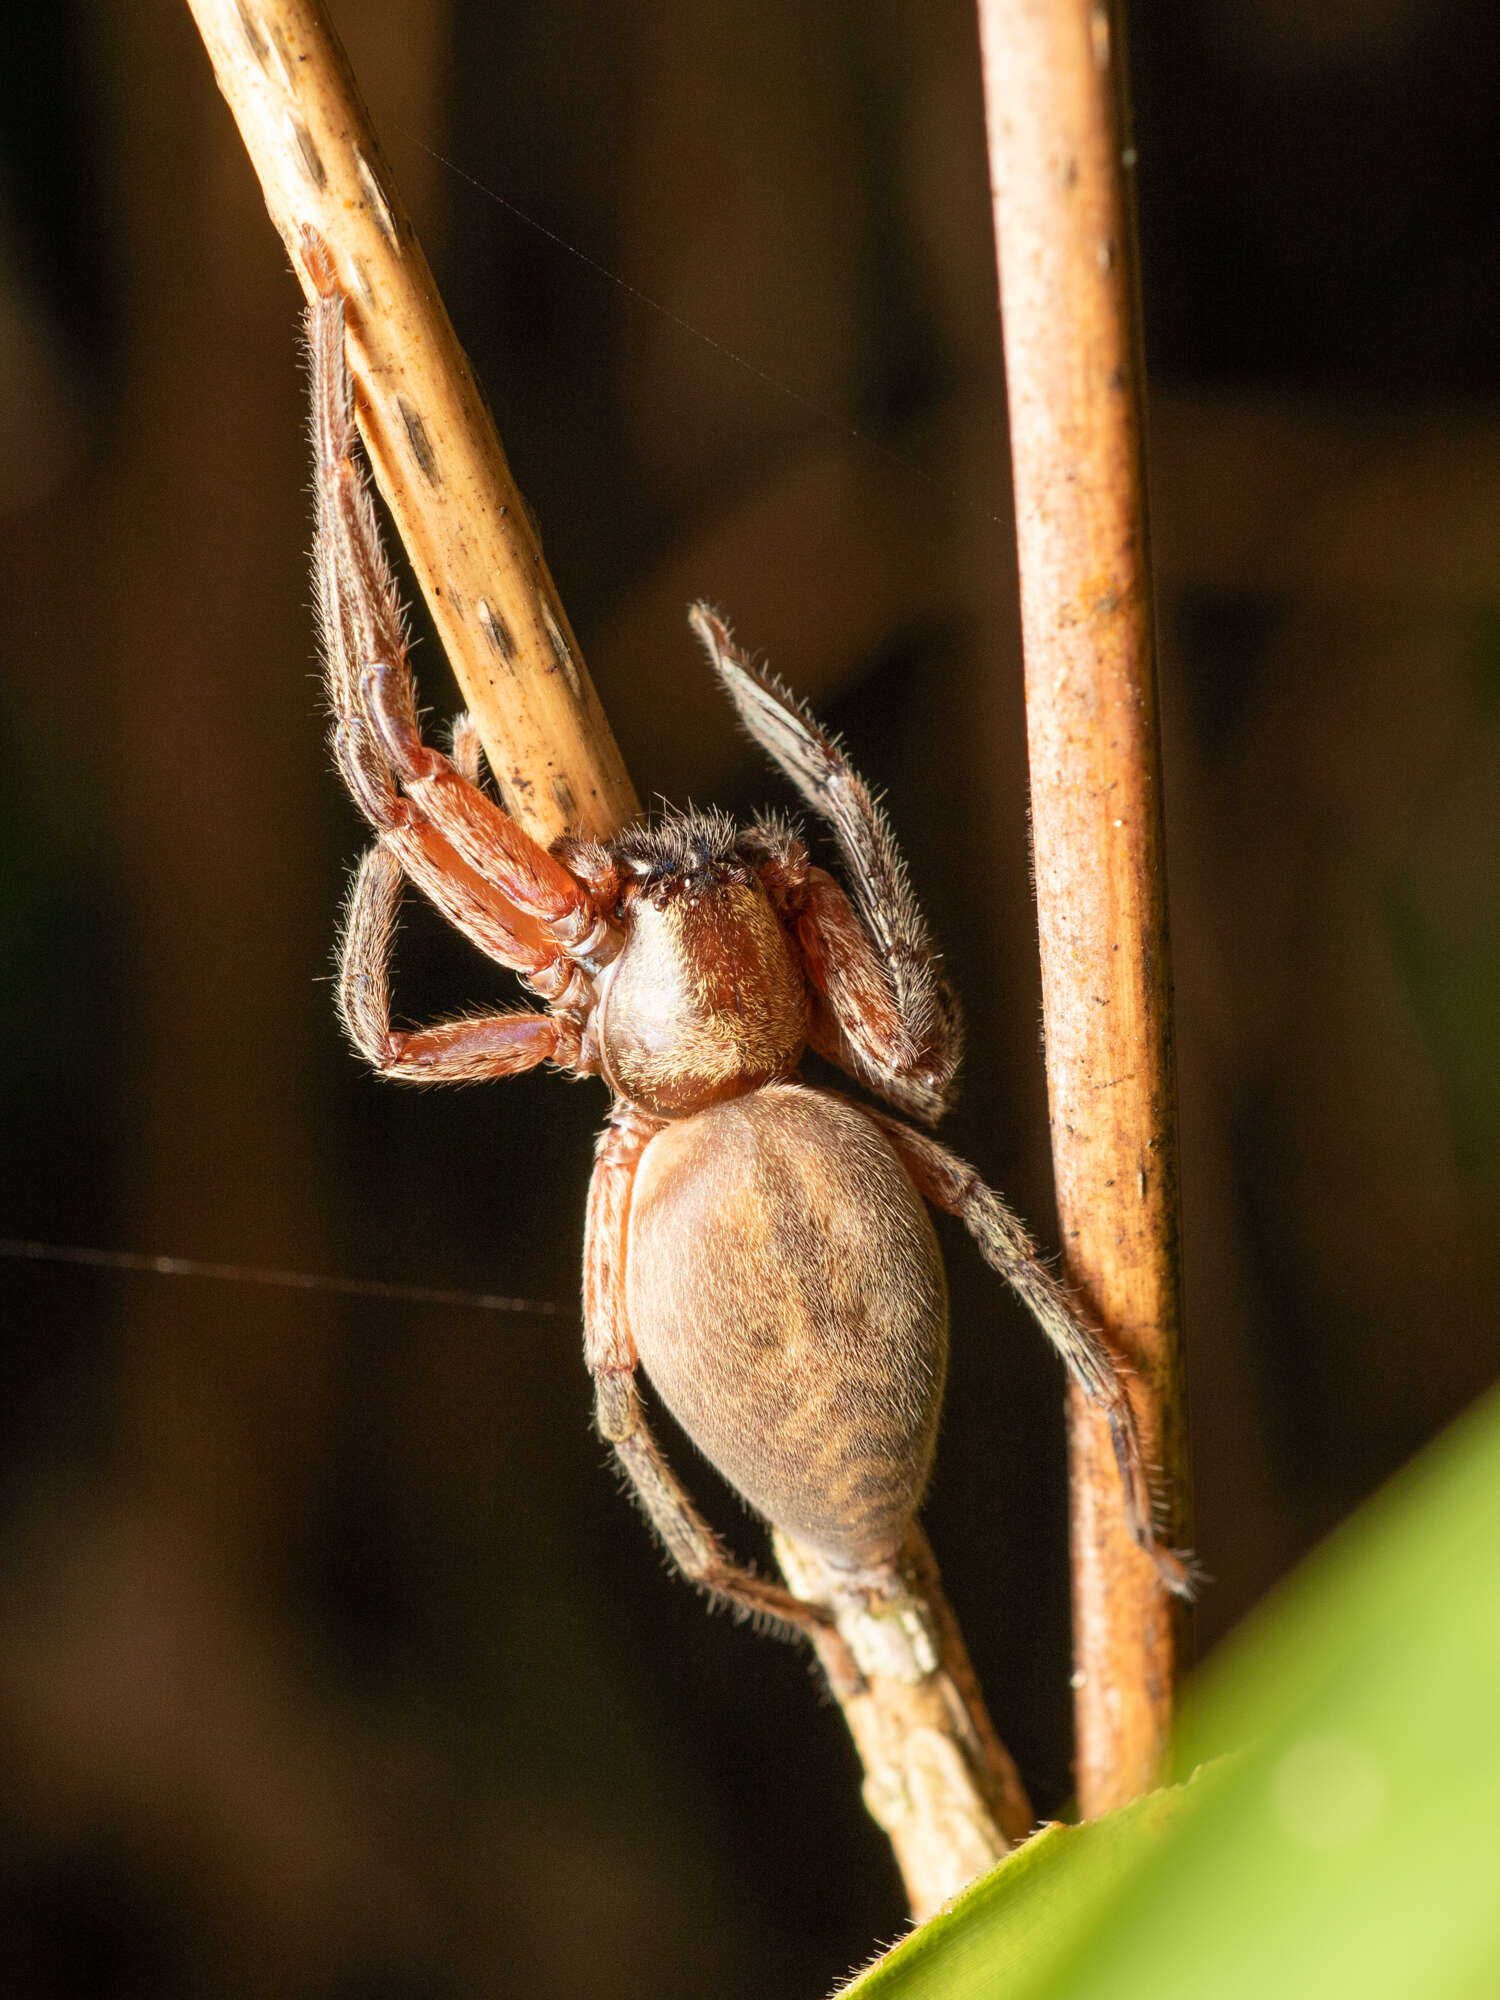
786 1295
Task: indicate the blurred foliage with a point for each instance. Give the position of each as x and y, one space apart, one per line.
1348 1846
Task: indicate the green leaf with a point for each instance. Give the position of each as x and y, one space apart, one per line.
1353 1847
1023 1916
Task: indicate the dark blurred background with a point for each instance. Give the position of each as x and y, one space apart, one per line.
331 1662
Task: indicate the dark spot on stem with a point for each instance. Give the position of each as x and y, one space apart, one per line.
254 40
498 634
421 444
308 154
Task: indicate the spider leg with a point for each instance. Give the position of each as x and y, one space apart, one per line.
858 1017
463 896
1004 1243
463 1051
610 1352
483 836
890 1018
487 876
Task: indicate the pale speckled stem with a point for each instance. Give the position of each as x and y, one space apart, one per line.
937 1778
431 441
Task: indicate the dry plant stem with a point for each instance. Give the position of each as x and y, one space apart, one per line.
431 441
937 1777
1063 221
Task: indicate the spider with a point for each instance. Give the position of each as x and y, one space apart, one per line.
763 1248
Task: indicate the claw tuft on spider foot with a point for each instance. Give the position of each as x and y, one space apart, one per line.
317 261
1179 1569
386 691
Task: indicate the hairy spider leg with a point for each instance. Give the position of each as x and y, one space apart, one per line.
1005 1244
475 1050
847 980
610 1352
463 896
360 615
891 1019
856 1021
488 839
484 873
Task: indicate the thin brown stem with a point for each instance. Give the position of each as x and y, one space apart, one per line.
431 441
1059 168
937 1777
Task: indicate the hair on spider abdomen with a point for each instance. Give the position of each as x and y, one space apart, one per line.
819 1271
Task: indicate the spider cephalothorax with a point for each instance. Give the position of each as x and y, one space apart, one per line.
762 1247
706 998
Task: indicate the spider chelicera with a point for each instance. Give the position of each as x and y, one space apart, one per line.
761 1247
